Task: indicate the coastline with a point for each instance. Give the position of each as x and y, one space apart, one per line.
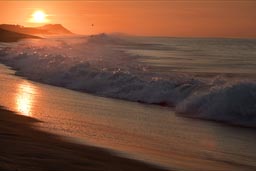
25 148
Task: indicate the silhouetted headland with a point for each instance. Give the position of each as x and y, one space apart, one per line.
10 36
47 30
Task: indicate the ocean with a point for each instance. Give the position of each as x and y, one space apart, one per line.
206 78
197 55
92 85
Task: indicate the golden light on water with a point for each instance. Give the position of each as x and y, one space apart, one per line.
24 99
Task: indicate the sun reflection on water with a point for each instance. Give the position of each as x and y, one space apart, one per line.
24 99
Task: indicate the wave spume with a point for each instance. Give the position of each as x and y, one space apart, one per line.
93 65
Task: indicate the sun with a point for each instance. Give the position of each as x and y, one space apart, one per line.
39 17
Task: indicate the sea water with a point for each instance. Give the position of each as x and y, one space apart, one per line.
149 133
208 78
119 67
197 55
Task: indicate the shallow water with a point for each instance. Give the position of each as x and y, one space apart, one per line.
145 132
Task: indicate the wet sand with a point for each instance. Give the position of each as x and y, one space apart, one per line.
23 147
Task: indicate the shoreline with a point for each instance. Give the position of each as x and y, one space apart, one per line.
23 147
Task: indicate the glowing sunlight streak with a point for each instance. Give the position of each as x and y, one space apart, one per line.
39 17
24 99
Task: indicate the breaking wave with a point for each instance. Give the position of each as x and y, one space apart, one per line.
94 65
234 104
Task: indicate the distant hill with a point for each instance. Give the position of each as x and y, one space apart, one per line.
55 29
47 30
10 36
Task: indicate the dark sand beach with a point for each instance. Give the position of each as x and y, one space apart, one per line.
25 148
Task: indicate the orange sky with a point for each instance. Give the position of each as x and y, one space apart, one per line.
156 18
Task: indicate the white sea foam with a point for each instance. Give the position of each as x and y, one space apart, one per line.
94 64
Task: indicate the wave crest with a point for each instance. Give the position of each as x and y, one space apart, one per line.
235 104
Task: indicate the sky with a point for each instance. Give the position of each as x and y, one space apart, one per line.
189 18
